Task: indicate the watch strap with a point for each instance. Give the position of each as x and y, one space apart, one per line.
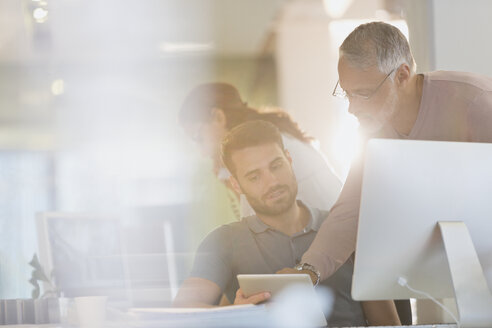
309 267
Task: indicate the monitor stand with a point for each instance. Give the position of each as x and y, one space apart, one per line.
473 297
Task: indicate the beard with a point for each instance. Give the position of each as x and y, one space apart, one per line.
368 125
374 125
277 206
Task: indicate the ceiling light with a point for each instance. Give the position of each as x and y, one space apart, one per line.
40 15
58 87
185 47
336 8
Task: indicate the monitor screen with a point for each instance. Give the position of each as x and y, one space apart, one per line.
409 186
137 257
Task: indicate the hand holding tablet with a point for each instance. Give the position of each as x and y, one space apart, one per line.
273 283
289 291
257 298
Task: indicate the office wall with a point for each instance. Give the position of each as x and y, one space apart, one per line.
462 32
418 15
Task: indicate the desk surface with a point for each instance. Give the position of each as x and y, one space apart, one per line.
111 325
416 326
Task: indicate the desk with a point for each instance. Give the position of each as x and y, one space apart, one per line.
417 326
111 325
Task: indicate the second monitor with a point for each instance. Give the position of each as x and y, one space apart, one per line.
419 200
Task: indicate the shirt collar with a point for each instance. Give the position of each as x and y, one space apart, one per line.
257 226
315 219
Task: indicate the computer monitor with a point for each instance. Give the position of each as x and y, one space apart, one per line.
414 196
135 258
82 253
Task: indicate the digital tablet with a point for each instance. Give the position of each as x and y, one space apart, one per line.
273 283
312 314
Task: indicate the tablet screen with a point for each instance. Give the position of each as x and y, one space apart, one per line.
273 283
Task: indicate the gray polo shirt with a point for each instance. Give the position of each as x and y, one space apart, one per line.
252 247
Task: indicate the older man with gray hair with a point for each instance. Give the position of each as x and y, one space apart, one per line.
377 74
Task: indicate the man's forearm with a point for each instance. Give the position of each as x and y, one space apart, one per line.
197 292
335 240
332 247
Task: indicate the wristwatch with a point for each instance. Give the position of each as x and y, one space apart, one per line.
309 267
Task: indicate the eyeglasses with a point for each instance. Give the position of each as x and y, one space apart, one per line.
340 93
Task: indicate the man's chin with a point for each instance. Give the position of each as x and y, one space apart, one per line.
369 127
275 209
369 133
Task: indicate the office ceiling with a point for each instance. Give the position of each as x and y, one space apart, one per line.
41 38
73 30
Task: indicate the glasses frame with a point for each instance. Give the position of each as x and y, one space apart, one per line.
343 94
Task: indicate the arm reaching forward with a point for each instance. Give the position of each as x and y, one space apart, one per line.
197 292
335 241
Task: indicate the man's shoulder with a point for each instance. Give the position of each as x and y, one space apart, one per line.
472 80
223 238
231 229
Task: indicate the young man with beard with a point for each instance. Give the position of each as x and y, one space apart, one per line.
274 238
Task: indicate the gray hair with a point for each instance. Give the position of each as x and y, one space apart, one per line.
377 43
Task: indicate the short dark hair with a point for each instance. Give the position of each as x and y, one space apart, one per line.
248 134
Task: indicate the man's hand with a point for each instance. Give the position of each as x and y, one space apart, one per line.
311 274
253 299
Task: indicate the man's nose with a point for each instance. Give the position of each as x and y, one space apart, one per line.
271 179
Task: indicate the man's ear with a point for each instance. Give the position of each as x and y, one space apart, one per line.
235 184
403 74
218 117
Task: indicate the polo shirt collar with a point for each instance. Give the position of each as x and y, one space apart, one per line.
257 226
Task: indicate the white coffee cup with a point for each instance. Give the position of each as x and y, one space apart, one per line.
91 311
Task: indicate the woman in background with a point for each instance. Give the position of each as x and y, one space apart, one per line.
210 110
